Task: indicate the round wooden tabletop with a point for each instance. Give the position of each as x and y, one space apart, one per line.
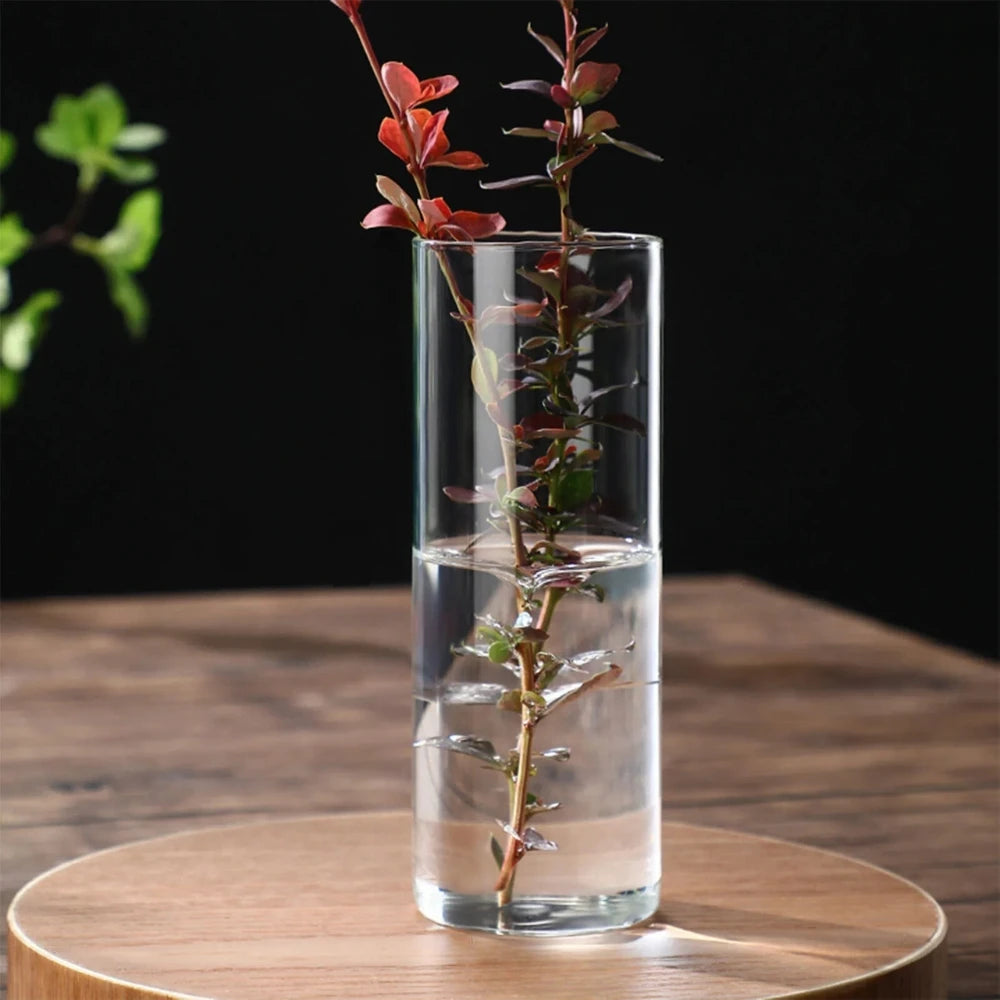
315 908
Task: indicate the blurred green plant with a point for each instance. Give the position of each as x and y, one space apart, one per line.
93 132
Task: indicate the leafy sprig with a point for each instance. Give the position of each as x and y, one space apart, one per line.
92 132
551 488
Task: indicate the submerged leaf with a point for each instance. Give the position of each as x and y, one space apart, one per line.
497 851
565 695
471 746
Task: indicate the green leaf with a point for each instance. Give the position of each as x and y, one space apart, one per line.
140 137
105 113
4 288
14 239
576 488
66 134
129 169
8 147
10 384
22 329
131 243
496 851
499 652
485 382
127 296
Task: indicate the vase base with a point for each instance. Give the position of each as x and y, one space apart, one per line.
537 915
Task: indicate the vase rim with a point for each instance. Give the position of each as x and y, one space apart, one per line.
539 238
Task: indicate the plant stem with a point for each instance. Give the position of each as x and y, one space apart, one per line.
515 845
419 176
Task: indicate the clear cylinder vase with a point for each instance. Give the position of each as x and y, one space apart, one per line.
537 575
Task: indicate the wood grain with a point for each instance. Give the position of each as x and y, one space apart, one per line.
128 718
320 909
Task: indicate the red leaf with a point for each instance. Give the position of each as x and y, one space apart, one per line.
349 7
388 215
402 84
536 421
561 96
592 81
433 141
435 212
391 136
435 87
479 225
550 261
462 160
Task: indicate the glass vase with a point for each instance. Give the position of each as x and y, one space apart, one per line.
537 574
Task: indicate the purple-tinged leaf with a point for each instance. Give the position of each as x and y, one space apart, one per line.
532 634
599 121
530 133
510 315
594 36
622 421
620 295
535 86
508 386
536 421
515 182
535 342
588 400
629 147
561 95
462 494
551 47
592 81
573 161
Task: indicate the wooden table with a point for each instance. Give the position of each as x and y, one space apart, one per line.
131 718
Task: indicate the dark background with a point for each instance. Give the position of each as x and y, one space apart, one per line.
828 206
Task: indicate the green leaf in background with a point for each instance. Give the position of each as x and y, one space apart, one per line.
14 239
8 147
65 135
86 130
105 114
139 137
131 243
22 329
127 295
128 169
4 288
